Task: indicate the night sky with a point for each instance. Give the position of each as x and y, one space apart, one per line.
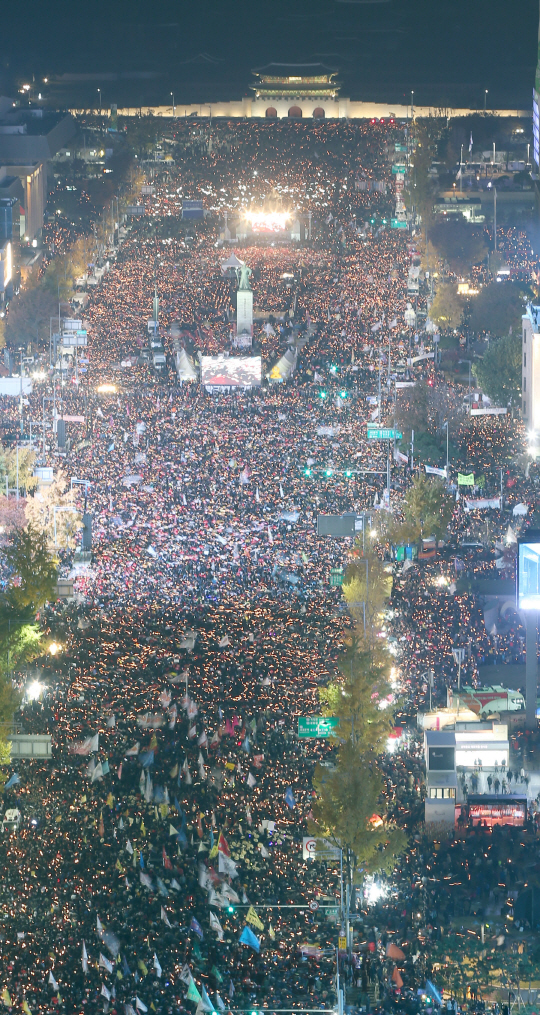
448 52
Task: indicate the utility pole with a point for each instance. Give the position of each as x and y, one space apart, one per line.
495 218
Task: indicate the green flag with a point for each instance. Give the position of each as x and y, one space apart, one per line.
467 480
216 974
193 993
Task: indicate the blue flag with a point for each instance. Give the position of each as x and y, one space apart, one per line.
289 797
141 860
247 937
13 781
105 767
111 447
125 968
194 925
146 758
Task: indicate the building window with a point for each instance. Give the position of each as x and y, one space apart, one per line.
442 793
524 383
524 359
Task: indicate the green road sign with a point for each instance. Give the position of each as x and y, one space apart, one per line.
399 167
316 726
337 576
383 434
398 224
400 147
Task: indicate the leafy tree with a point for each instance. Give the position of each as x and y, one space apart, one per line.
497 309
32 569
427 510
350 809
460 244
2 332
29 315
367 582
40 512
499 372
447 308
24 471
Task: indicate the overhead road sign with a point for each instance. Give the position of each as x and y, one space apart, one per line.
399 167
336 525
383 434
398 224
317 726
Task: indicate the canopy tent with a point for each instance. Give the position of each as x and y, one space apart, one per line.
285 366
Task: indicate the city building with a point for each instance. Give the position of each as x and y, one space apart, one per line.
29 139
474 748
295 90
530 365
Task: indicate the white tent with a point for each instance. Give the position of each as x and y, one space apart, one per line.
184 367
284 368
232 263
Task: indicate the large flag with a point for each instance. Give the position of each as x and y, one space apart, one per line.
206 1003
223 846
193 993
104 963
195 926
215 925
289 797
254 919
84 958
247 937
227 866
157 965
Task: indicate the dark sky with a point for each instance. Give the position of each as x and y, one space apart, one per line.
447 51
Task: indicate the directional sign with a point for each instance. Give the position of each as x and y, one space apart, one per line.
325 851
400 147
342 944
383 434
316 726
398 224
399 168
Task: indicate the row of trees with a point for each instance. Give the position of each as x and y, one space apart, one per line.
32 577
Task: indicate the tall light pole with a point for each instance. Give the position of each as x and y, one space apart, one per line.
412 104
460 169
173 105
99 90
485 98
446 425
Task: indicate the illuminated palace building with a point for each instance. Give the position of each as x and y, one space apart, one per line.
308 89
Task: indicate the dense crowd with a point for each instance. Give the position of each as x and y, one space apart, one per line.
159 863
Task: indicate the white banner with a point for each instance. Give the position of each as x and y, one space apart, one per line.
491 411
481 503
432 471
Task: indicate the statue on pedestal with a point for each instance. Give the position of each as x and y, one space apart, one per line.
243 275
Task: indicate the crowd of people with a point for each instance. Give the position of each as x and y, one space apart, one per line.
158 864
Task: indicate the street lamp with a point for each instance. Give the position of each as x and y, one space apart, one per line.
446 425
485 98
99 90
173 105
412 104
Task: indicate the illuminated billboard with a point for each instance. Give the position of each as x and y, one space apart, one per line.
528 579
231 371
268 221
6 266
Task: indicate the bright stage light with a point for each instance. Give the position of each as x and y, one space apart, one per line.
34 690
268 221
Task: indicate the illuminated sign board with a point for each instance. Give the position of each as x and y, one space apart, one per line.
528 579
6 266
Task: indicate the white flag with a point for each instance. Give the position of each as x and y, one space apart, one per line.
52 981
157 966
84 958
105 992
140 1005
129 848
215 925
226 865
104 963
219 1002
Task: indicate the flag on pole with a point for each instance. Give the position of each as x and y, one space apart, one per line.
254 919
247 937
84 958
